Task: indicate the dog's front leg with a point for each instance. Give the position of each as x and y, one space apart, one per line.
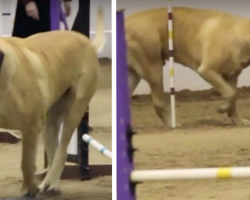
28 163
231 107
226 89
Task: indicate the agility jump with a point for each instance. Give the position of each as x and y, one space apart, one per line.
102 149
128 177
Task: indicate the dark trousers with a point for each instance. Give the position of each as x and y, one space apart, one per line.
25 26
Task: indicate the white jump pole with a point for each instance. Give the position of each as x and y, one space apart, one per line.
102 149
185 174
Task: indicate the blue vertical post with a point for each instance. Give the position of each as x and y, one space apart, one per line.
125 189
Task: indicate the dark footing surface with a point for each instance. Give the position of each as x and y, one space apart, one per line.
6 137
73 172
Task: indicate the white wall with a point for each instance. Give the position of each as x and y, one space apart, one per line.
6 22
185 78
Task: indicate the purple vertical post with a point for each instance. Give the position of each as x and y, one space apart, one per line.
124 158
63 19
55 14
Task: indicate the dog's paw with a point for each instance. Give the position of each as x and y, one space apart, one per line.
30 192
241 122
50 189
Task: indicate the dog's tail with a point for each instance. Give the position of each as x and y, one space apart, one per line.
100 38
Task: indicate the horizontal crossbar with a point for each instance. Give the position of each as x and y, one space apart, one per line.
184 174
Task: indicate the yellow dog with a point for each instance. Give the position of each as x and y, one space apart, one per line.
47 79
210 42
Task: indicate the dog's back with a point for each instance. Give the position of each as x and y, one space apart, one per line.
148 30
63 45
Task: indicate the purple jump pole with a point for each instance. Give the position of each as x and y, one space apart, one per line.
55 14
125 189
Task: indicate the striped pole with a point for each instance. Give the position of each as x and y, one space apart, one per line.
102 149
185 174
171 63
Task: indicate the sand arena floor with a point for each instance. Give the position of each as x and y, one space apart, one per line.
100 119
207 139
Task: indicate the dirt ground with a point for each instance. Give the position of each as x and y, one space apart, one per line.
100 120
10 173
207 139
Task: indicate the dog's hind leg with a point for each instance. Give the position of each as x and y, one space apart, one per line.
133 79
155 81
79 98
52 127
152 73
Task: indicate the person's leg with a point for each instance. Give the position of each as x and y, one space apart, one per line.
24 26
44 11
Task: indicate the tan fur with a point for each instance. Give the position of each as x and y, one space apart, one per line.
47 79
212 43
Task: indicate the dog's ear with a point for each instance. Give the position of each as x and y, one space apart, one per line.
1 58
